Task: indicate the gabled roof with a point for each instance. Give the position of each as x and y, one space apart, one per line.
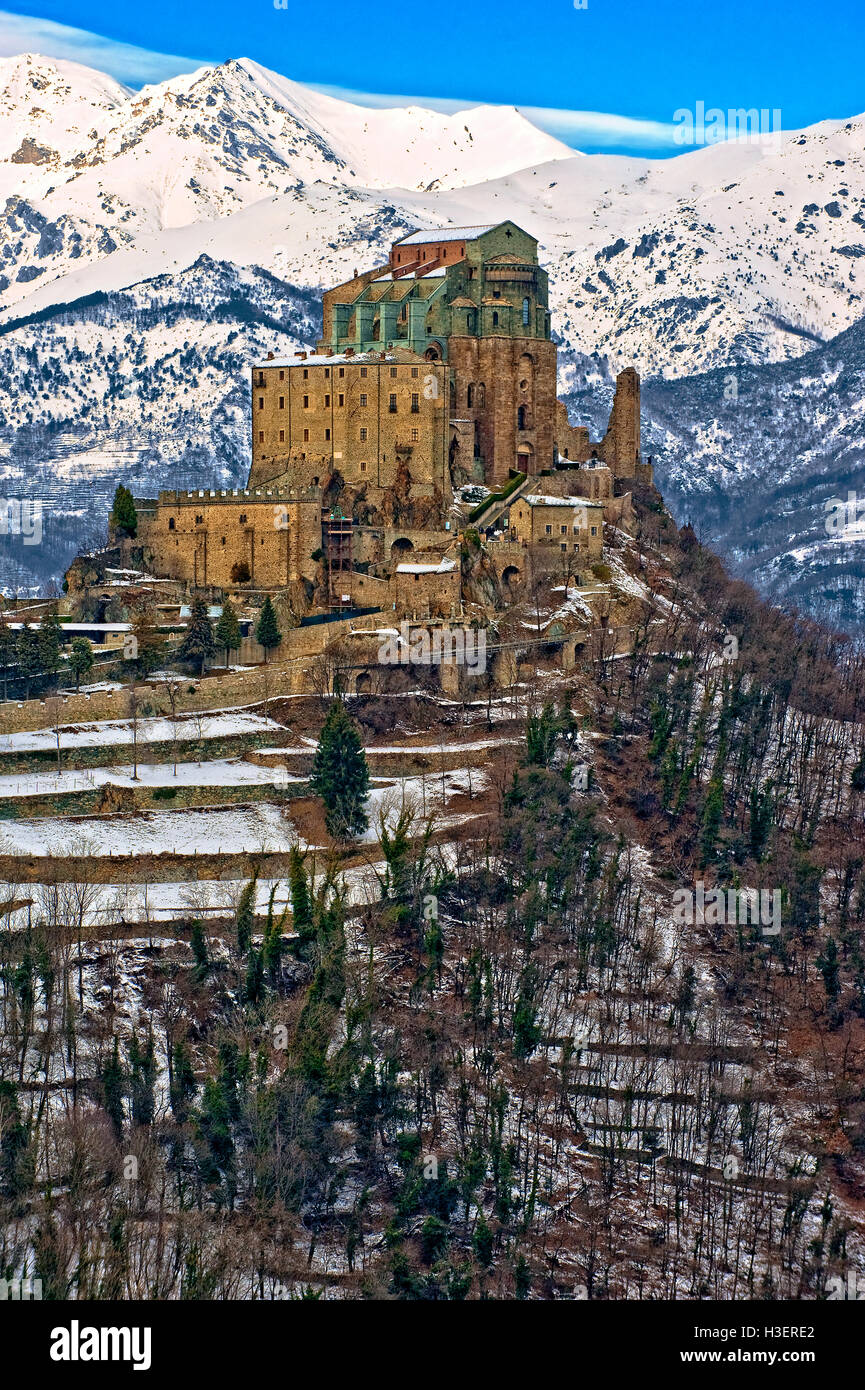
423 238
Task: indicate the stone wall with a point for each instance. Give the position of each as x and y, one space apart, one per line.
200 537
360 418
513 394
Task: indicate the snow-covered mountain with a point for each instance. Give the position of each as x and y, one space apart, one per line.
153 242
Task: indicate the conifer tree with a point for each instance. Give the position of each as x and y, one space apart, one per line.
112 1089
340 775
198 643
182 1086
227 633
267 631
49 645
80 659
301 902
124 518
7 652
244 917
27 656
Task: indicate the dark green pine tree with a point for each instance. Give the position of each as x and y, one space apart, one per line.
27 657
301 902
182 1086
80 659
142 1078
245 917
227 633
49 644
340 775
124 518
113 1084
198 643
267 631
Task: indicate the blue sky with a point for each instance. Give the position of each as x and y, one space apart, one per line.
610 76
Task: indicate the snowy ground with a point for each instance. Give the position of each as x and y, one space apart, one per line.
220 724
261 828
219 772
235 830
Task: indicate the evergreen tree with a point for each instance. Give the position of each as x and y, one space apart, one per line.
340 775
27 657
301 903
182 1087
198 942
113 1082
227 633
245 917
142 1078
123 521
197 644
828 965
49 644
80 659
267 631
7 652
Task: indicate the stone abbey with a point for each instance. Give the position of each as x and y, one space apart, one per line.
433 372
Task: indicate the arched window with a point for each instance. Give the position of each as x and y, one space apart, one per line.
470 396
482 396
521 417
525 313
171 523
495 319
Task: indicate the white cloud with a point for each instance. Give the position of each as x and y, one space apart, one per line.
136 66
21 33
573 127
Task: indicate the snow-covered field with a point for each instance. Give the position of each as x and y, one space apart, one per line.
219 772
221 724
236 830
261 828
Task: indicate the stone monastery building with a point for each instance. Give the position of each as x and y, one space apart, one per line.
433 371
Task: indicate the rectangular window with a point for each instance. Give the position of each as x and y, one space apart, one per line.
327 434
363 468
282 376
306 373
414 371
306 402
363 435
362 398
393 371
415 403
306 436
341 398
414 435
342 371
392 403
326 401
549 530
363 371
282 436
261 436
327 372
282 402
261 402
594 530
564 530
